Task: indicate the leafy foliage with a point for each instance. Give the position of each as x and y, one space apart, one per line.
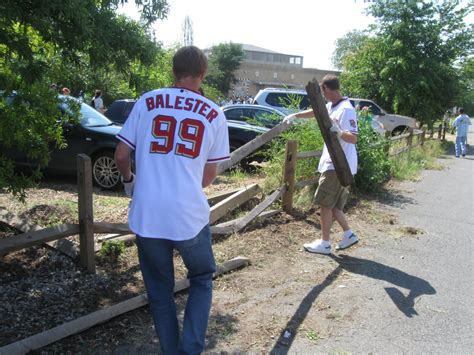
374 165
81 44
224 59
112 249
308 136
347 45
409 63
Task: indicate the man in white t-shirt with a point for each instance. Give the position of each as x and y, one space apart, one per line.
178 137
330 195
461 123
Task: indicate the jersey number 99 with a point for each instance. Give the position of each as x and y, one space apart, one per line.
190 131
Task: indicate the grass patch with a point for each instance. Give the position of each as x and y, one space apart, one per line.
312 335
408 166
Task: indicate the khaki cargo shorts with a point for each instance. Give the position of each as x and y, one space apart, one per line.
330 193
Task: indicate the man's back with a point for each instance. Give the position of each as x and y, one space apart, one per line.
175 132
462 123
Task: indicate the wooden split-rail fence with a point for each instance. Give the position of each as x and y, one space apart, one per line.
221 204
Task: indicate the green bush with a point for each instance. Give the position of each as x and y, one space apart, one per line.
374 165
112 249
308 136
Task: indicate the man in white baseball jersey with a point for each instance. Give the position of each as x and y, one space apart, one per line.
330 195
178 137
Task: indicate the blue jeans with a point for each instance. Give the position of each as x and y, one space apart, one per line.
156 263
461 145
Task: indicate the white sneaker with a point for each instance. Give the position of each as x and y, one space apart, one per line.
318 247
346 242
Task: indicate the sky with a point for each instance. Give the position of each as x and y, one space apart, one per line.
307 28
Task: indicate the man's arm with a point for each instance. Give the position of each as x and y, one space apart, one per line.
210 173
124 160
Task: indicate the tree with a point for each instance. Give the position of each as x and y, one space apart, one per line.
409 64
224 59
347 45
467 93
74 41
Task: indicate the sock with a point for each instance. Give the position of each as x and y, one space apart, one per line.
347 233
325 243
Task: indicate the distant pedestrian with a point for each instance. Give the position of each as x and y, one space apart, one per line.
97 102
461 123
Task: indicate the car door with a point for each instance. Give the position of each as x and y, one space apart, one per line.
77 142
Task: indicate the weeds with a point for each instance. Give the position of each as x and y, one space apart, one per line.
112 249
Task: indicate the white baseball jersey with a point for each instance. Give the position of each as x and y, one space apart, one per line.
174 133
344 115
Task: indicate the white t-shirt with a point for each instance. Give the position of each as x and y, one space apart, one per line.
344 115
174 133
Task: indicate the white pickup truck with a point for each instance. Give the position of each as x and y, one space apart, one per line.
396 124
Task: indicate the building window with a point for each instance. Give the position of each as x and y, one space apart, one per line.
257 73
292 60
275 75
298 60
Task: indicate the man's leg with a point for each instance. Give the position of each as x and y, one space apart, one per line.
458 146
199 260
463 146
156 263
340 218
326 222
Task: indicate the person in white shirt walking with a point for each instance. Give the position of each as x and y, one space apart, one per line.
461 123
330 195
178 137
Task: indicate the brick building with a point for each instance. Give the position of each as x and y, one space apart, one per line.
263 68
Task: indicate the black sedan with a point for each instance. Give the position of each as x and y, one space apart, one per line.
94 135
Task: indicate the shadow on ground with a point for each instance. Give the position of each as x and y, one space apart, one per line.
369 268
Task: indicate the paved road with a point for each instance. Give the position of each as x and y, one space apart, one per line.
416 296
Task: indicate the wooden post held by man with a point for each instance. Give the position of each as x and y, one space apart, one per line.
336 153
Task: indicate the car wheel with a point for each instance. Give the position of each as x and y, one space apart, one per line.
105 172
399 130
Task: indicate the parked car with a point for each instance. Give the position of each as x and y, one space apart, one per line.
254 114
396 124
94 135
119 110
382 121
280 99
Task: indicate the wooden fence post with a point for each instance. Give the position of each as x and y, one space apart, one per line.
410 138
289 173
86 216
386 148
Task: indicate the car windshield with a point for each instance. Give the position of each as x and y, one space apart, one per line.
93 118
89 116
